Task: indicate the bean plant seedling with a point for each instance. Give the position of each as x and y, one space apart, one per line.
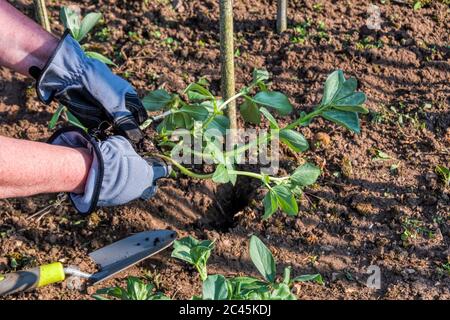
198 112
136 290
218 287
194 252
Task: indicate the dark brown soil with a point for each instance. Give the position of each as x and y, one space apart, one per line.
355 215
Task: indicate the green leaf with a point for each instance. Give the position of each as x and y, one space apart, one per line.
260 75
74 120
286 200
417 5
444 173
182 248
282 292
71 20
221 174
156 100
221 123
262 259
294 140
272 121
88 23
194 252
347 88
200 254
115 292
197 92
270 204
347 119
332 84
209 105
197 112
250 112
305 175
182 120
56 116
215 288
100 57
275 100
354 100
358 109
214 147
287 275
309 277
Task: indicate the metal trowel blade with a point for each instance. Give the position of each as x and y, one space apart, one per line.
127 252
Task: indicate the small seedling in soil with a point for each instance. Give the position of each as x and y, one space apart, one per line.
134 36
218 287
19 261
412 229
380 155
369 43
301 32
444 174
318 7
136 289
322 33
104 34
419 4
194 252
444 269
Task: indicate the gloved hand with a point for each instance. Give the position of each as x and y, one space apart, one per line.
89 89
117 174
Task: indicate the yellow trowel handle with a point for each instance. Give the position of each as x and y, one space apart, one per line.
32 278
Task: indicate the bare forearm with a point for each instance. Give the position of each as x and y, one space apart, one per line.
23 43
28 168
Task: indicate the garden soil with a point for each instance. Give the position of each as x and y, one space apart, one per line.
375 185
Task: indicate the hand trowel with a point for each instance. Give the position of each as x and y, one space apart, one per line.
111 259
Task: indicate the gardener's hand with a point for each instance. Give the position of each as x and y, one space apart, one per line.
89 89
117 175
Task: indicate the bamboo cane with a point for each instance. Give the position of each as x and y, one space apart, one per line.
281 16
227 62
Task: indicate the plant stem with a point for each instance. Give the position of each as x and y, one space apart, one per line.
281 16
256 175
247 146
189 173
230 99
150 120
307 117
227 61
220 108
41 14
183 169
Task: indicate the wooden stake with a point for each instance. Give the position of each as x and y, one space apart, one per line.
227 62
281 16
